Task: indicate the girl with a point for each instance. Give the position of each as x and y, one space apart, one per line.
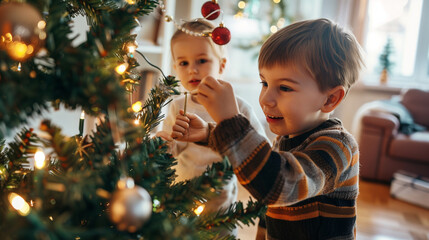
194 58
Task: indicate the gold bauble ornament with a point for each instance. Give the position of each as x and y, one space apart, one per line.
22 30
130 206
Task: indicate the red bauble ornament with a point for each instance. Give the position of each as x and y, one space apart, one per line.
208 8
221 35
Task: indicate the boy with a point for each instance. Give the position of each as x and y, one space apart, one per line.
309 179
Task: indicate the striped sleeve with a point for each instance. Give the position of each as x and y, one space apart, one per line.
326 163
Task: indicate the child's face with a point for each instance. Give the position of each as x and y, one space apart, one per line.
291 100
195 59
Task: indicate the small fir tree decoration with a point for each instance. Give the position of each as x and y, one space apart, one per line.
385 61
118 182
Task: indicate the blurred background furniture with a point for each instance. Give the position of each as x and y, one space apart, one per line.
394 136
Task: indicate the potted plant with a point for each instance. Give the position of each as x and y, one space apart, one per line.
385 61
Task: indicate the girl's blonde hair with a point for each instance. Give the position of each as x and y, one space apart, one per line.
201 26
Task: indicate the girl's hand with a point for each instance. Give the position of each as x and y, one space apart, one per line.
164 135
218 98
190 128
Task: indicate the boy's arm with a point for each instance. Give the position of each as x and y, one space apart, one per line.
328 163
283 178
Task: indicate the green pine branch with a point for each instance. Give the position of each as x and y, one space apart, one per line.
233 216
72 194
14 159
150 116
53 77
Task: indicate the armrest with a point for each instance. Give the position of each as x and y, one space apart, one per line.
378 128
384 120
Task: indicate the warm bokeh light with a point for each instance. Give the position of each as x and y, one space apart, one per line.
41 24
273 29
131 47
241 4
19 204
42 35
125 183
281 22
239 15
8 37
137 106
121 68
199 210
39 159
17 50
276 1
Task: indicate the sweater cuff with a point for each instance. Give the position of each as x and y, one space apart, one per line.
205 142
228 132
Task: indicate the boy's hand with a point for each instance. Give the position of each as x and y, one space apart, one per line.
218 98
190 128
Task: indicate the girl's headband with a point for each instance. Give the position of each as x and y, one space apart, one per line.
210 11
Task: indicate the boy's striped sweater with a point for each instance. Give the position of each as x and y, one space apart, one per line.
309 182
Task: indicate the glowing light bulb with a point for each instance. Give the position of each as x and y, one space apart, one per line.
121 68
39 159
131 47
41 24
199 210
281 22
136 122
276 1
17 50
137 106
241 4
19 204
273 29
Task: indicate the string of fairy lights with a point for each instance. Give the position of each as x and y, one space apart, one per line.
21 51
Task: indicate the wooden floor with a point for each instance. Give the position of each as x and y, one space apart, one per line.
379 217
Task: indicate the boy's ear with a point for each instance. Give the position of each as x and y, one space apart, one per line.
222 65
335 96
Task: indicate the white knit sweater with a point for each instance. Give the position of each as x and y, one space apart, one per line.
193 159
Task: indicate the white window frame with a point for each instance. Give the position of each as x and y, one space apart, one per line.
420 76
421 67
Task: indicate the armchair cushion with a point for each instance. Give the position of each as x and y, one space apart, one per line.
407 124
416 101
414 147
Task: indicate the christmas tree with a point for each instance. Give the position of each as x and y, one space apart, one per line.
118 182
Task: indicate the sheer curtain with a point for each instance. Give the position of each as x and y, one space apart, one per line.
353 15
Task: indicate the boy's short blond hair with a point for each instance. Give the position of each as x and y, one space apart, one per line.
200 26
331 55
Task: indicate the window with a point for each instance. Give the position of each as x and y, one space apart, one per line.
402 22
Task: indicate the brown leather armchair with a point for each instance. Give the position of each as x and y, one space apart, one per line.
385 148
